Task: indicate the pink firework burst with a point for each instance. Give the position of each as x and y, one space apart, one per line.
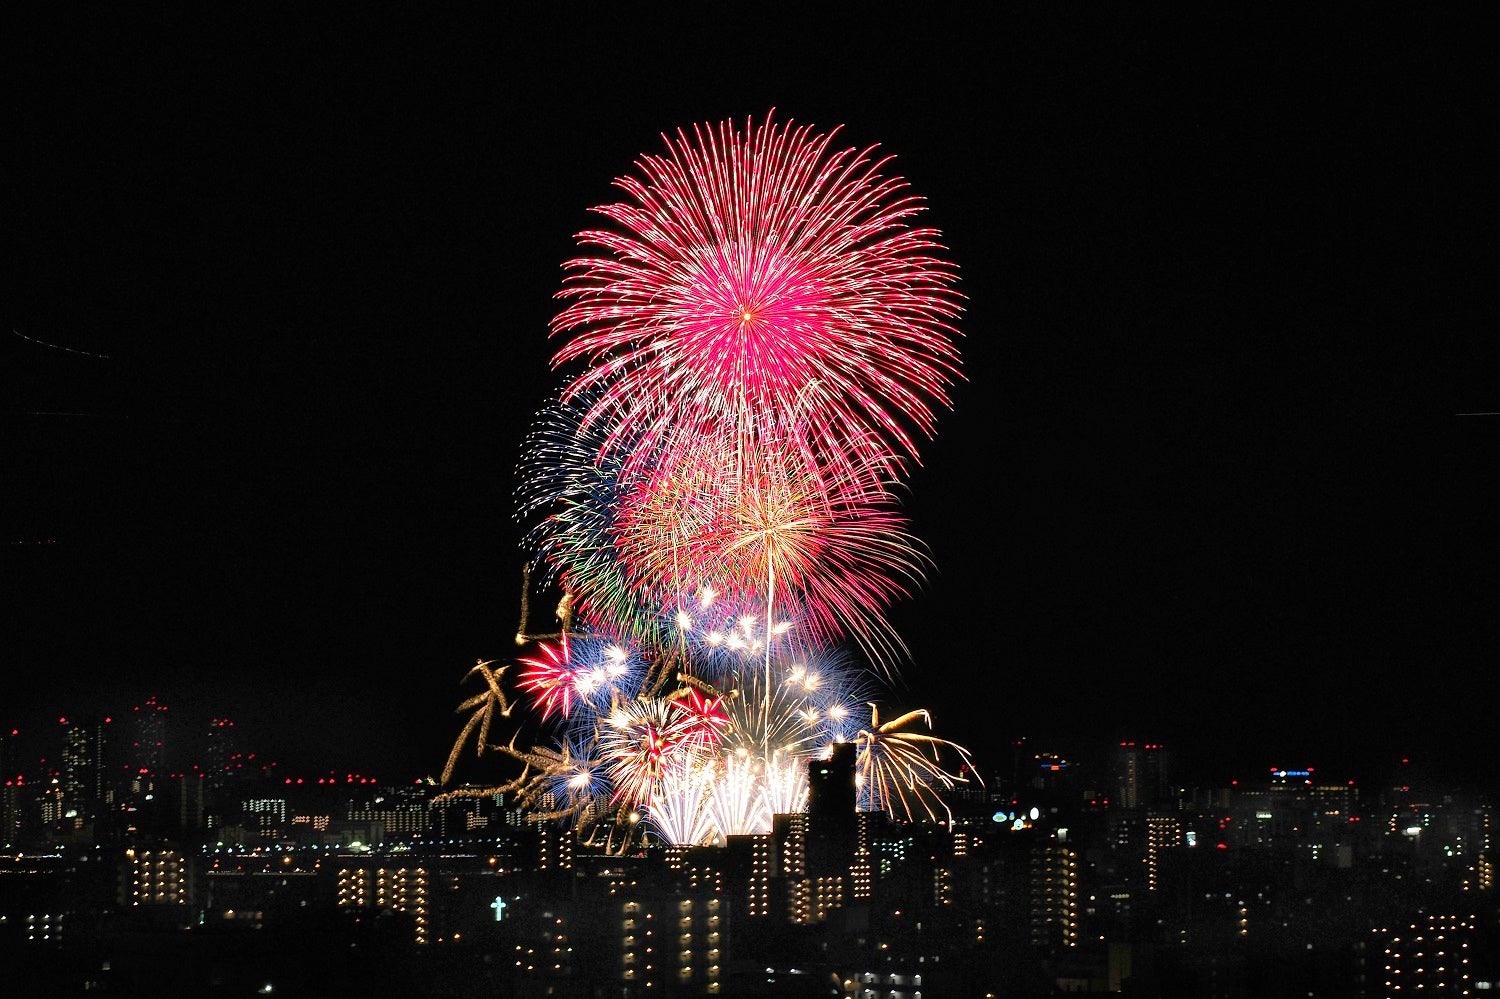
762 277
551 678
702 718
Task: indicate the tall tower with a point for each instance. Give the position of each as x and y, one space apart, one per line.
1142 774
832 830
148 737
83 768
12 789
832 821
1054 895
830 787
221 756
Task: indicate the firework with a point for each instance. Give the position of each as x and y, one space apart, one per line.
832 688
762 338
738 804
679 810
552 678
763 276
829 547
721 634
576 782
569 495
701 718
898 768
784 783
642 740
484 705
772 716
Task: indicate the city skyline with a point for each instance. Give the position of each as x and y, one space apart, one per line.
186 747
1293 881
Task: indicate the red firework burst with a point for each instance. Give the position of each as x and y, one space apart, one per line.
763 279
703 719
551 679
639 740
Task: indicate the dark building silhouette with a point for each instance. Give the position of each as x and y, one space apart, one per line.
830 787
222 759
84 768
148 738
1142 775
830 837
832 821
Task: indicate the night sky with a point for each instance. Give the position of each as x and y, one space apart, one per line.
1204 481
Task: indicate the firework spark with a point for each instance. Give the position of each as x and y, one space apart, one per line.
485 705
642 740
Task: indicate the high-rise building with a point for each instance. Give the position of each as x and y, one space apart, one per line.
1163 833
13 791
862 870
817 854
762 869
554 844
831 792
187 801
221 756
675 943
156 877
1429 956
14 795
148 738
7 752
84 775
402 812
1481 876
1141 772
266 815
789 839
1296 808
397 889
833 827
1055 781
1054 895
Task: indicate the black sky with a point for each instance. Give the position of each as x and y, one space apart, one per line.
1204 482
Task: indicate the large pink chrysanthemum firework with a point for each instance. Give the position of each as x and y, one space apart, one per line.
761 277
